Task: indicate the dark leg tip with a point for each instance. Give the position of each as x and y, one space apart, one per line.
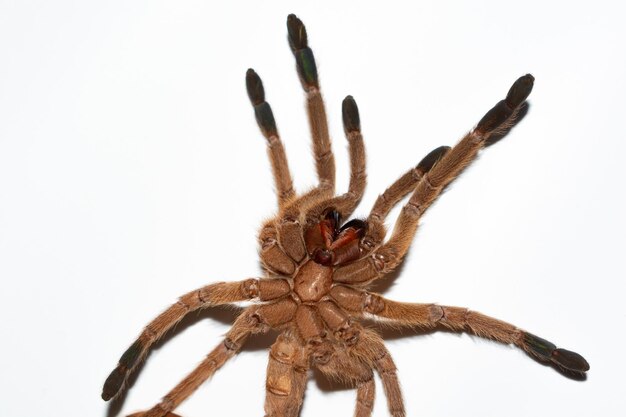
570 360
265 119
539 347
350 113
307 69
113 383
254 85
502 112
432 158
297 33
520 90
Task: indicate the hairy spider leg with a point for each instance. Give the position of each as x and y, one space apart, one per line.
349 369
347 202
389 255
275 149
284 245
307 70
207 296
392 196
372 349
459 319
255 319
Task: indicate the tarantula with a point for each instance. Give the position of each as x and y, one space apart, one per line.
318 267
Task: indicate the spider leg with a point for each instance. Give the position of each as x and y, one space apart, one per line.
255 319
208 296
365 394
275 149
368 348
307 70
286 377
459 319
385 259
343 367
289 227
371 348
347 202
392 196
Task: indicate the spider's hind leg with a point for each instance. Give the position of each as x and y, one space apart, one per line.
286 377
343 367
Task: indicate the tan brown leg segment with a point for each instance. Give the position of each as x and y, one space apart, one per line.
429 187
392 196
346 203
371 349
208 296
276 151
273 257
253 320
307 70
353 370
463 319
286 377
365 394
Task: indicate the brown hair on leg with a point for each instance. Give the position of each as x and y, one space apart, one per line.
275 150
208 296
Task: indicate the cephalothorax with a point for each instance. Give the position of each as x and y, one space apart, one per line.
318 268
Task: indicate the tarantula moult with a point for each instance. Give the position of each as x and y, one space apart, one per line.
318 267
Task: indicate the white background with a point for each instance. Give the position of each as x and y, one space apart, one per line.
132 171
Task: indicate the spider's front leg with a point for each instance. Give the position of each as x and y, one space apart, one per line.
307 70
384 259
458 319
208 296
346 203
275 149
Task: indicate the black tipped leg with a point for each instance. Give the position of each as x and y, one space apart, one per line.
570 360
262 110
254 85
265 119
113 383
430 160
350 113
299 43
520 90
548 352
297 33
506 109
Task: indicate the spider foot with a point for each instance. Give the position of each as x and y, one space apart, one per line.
548 352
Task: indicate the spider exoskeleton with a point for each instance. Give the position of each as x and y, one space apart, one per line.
318 268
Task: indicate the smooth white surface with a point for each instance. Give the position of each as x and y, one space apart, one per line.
132 171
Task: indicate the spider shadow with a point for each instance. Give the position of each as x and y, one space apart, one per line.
224 315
